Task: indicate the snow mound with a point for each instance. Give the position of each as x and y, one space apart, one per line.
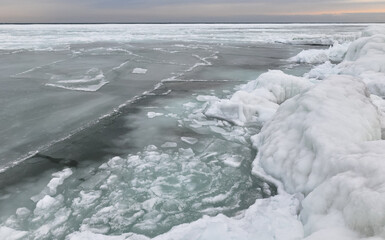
364 59
258 100
322 71
325 143
365 54
334 53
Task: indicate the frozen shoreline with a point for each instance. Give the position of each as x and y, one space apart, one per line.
315 132
323 142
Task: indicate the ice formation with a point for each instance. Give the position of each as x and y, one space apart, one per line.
92 81
324 139
326 143
364 59
334 53
272 218
258 100
154 114
139 71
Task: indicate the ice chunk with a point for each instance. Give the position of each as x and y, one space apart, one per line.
169 145
189 140
154 114
139 71
231 160
47 204
205 98
23 212
57 180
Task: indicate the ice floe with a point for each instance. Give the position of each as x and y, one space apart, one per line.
92 81
139 71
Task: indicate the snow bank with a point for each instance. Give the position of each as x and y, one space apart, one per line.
309 126
334 53
322 139
258 100
364 59
365 54
326 143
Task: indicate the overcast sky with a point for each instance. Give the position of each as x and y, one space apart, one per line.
60 11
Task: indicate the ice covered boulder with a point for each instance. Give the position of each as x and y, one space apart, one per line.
322 71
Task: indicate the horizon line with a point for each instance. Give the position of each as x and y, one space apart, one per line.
198 22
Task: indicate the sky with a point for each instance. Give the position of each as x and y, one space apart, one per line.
88 11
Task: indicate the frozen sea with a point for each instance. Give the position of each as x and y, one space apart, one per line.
154 131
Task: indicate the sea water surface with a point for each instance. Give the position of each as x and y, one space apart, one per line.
103 127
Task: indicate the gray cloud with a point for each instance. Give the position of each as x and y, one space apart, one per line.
191 10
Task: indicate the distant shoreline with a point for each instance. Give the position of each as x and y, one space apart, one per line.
176 23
